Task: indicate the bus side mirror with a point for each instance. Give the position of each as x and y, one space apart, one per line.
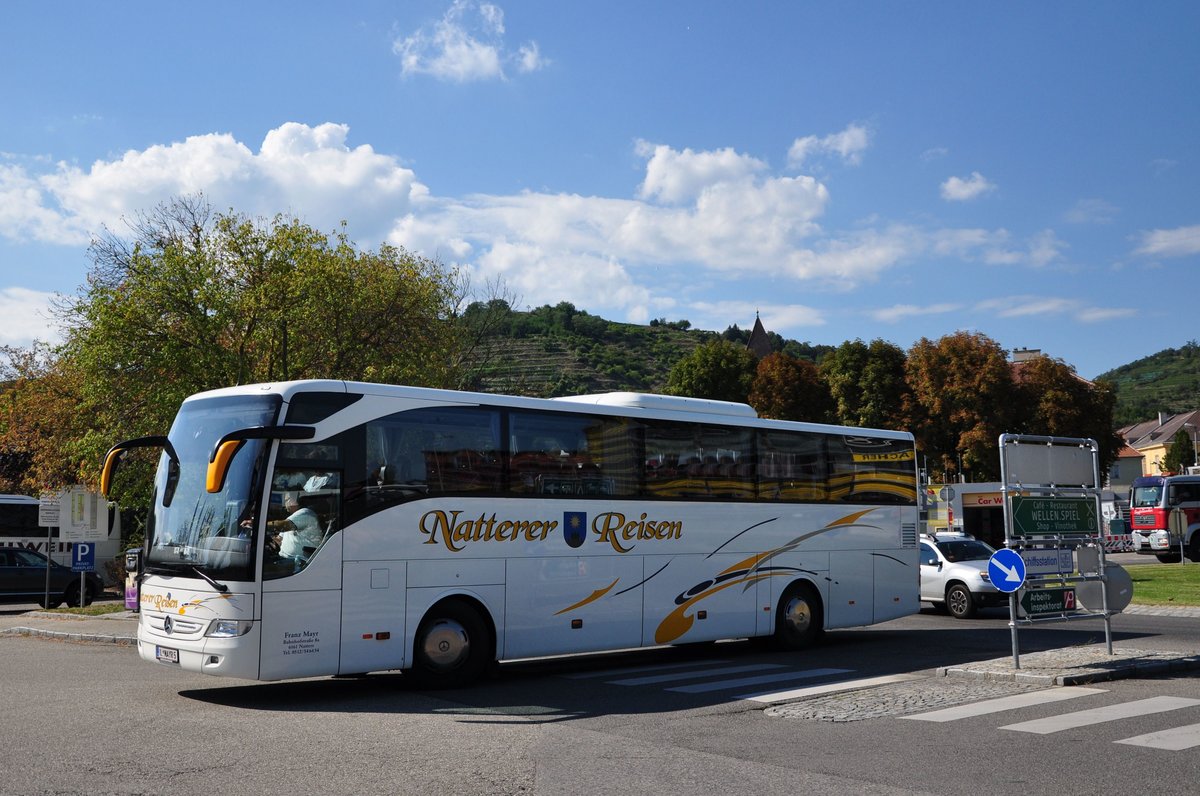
117 452
228 446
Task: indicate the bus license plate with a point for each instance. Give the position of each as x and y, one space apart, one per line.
166 654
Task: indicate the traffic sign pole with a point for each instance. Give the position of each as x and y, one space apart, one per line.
1051 488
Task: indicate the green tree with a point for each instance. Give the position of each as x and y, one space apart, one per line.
194 300
868 383
786 388
1053 401
961 402
43 433
1181 454
718 370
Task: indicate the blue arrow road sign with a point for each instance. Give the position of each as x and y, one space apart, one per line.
83 557
1006 568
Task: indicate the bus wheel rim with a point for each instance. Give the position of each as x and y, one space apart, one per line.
798 615
446 644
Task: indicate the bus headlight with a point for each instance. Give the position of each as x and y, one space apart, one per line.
228 628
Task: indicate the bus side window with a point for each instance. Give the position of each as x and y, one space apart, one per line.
426 452
571 455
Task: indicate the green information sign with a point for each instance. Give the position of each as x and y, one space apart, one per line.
1054 516
1048 601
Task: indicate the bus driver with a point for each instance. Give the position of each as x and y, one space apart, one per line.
300 529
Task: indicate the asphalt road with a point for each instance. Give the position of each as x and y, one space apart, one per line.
93 718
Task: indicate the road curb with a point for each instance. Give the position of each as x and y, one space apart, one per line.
88 638
1076 666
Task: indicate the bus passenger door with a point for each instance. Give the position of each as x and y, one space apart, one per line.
301 618
373 615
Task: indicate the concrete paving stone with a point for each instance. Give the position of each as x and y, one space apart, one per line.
898 699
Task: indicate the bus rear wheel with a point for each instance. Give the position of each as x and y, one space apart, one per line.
799 619
451 648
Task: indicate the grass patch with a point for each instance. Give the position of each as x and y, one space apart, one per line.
95 609
1165 584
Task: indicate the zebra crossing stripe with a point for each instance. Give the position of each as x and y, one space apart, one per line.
654 667
1173 740
1083 718
1004 703
762 679
769 697
676 676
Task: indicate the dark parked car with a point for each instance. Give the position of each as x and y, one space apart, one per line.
23 579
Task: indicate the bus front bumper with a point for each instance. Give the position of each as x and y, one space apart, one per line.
235 656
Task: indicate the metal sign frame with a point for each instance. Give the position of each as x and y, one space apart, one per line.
1054 484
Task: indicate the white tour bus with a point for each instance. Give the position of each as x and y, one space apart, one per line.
437 531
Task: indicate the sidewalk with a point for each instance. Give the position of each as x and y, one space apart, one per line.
1077 665
115 628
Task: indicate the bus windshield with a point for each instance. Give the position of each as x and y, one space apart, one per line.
192 531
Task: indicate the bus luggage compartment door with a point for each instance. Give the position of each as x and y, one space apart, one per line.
373 624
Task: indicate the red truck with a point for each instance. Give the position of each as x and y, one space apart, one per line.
1153 501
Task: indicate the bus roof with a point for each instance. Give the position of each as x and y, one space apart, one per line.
671 403
25 499
629 404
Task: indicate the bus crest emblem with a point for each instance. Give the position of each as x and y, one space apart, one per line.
575 527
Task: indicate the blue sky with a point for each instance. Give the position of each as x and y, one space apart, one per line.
1026 170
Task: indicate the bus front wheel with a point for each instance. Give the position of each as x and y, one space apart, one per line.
799 619
451 648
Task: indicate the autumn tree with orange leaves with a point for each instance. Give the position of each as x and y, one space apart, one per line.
962 401
786 388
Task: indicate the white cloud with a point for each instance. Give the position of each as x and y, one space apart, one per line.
1045 248
1092 211
698 216
529 58
1178 242
674 177
957 189
996 247
307 171
29 212
779 318
720 213
902 312
1071 308
467 44
540 277
847 262
849 144
1104 314
27 317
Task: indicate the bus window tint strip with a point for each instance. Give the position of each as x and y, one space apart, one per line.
480 451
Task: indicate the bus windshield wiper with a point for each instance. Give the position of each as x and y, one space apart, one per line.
221 587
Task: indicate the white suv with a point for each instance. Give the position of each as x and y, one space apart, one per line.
954 574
